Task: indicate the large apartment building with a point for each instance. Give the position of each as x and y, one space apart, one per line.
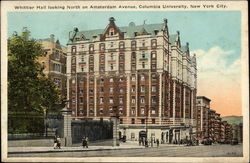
139 72
54 62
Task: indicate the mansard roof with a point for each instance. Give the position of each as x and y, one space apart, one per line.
173 38
127 30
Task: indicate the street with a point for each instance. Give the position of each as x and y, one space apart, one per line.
163 151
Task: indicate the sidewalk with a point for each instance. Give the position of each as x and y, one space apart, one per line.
18 150
123 146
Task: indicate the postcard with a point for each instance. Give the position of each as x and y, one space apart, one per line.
124 81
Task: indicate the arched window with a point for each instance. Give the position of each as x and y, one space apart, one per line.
102 47
91 48
121 45
133 44
154 43
153 54
73 49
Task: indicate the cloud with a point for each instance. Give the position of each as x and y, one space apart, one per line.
219 78
216 62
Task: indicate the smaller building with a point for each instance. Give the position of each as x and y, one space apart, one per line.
54 62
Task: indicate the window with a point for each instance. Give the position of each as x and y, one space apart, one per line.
73 49
153 121
142 88
102 67
81 100
111 56
153 111
133 111
101 111
102 47
111 79
133 99
133 78
91 59
153 66
101 89
73 91
91 90
101 80
82 58
102 58
111 66
81 91
73 100
91 48
111 44
121 79
153 54
133 134
111 31
82 68
142 121
132 122
153 98
154 43
143 55
143 43
121 57
121 90
133 66
142 77
91 100
73 60
133 55
101 100
91 69
142 111
133 44
121 100
133 88
110 89
121 67
120 111
143 64
142 99
111 101
73 80
121 120
153 88
154 77
91 111
121 45
91 80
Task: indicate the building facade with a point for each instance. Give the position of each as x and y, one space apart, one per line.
54 63
139 72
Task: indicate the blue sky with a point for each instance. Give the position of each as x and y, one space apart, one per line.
215 36
200 28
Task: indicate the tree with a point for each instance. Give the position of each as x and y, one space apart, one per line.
29 90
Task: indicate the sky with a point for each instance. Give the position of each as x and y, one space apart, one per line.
214 36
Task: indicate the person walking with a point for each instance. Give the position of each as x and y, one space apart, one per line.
58 142
83 142
157 142
86 142
55 142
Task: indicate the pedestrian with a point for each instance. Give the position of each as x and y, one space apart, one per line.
87 142
157 142
152 142
83 142
58 142
55 142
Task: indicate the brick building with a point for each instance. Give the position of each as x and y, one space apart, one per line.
140 72
54 62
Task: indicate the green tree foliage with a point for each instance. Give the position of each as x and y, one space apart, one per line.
29 90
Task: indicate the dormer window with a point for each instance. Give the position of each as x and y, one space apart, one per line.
111 31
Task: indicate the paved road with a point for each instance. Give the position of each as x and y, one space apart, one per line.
162 151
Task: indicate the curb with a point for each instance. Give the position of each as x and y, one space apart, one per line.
62 150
